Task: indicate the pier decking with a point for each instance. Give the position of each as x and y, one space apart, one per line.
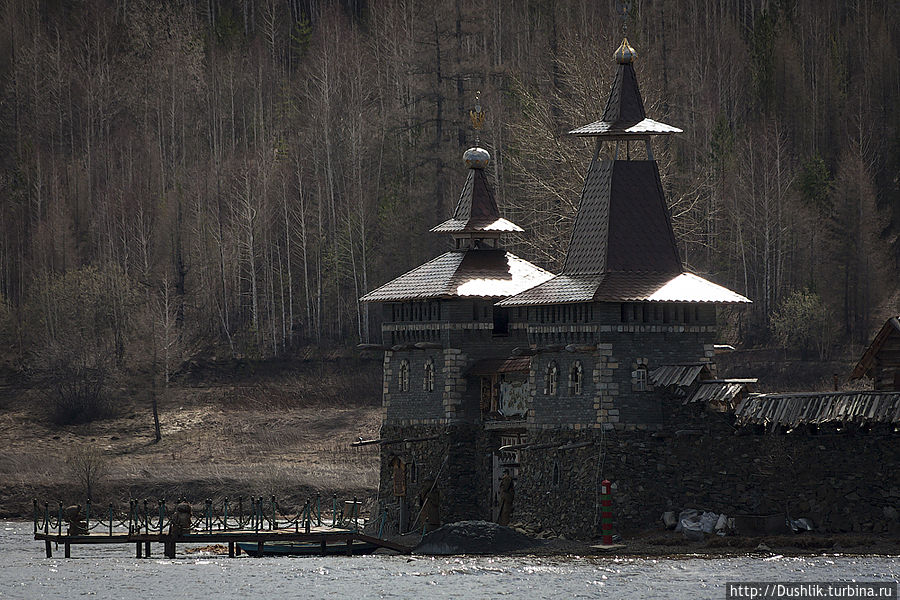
262 524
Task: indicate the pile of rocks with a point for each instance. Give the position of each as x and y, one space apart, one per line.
475 537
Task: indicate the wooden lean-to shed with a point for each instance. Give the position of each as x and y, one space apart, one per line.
881 360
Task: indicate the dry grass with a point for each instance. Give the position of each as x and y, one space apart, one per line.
265 438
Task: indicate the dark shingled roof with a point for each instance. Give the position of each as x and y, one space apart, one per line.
890 328
622 223
623 248
476 210
625 287
819 408
485 273
624 115
513 364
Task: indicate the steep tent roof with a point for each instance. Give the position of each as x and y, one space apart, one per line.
623 222
624 115
622 247
890 328
476 268
476 209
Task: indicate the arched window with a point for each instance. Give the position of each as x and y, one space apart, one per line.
428 380
575 374
403 377
640 379
552 383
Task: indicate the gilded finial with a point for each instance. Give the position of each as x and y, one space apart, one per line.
477 157
625 55
477 114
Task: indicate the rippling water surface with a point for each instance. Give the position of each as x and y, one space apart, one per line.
113 572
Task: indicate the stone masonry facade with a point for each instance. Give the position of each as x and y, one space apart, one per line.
702 462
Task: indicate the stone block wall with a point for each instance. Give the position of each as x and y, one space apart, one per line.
843 482
647 346
610 397
415 406
565 408
457 460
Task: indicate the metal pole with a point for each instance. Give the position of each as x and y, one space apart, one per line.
606 512
47 519
274 515
225 519
318 510
59 521
110 519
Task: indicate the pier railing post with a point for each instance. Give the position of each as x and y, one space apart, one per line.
318 510
209 515
47 519
240 512
110 519
274 515
256 509
59 520
162 515
306 517
131 519
334 510
355 514
225 516
146 517
87 515
35 516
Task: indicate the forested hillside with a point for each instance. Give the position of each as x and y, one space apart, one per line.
224 178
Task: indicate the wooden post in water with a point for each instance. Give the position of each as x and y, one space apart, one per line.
146 549
230 549
350 546
48 548
259 548
68 550
324 548
137 549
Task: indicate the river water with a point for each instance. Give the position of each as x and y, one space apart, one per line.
113 572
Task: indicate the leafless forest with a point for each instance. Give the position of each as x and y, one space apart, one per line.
204 179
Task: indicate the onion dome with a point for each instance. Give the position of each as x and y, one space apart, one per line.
625 55
476 158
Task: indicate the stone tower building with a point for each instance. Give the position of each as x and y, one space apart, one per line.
493 365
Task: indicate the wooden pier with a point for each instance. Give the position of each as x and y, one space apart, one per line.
262 524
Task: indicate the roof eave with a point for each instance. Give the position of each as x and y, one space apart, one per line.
864 365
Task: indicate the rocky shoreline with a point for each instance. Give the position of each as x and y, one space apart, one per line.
491 539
